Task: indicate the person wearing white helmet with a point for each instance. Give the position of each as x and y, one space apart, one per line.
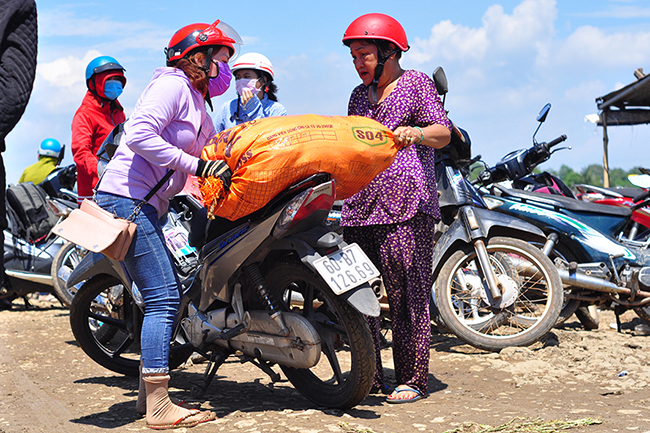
255 93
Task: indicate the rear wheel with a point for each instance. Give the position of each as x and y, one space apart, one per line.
343 376
106 323
528 309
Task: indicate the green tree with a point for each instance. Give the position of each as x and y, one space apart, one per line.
593 175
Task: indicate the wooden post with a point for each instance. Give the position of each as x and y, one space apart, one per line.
605 143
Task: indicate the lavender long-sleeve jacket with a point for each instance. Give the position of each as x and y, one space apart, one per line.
160 135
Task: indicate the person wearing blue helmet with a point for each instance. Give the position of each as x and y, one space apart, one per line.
99 113
50 155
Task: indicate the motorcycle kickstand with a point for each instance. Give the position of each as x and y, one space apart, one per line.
28 305
618 309
216 360
265 366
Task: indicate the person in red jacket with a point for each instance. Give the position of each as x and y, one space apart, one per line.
99 113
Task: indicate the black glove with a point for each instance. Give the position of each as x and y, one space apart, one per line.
216 168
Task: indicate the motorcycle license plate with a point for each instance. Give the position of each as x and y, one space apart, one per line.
346 269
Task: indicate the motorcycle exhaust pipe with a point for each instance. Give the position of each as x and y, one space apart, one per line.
582 281
28 276
575 279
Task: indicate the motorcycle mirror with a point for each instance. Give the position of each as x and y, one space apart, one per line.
541 117
640 180
440 79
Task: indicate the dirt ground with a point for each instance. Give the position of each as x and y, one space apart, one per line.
47 384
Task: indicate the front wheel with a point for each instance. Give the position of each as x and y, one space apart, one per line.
343 376
64 262
531 299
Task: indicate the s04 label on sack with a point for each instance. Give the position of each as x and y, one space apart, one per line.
370 136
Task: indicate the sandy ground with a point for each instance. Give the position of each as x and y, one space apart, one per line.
48 384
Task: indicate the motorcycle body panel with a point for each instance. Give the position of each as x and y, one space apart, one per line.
224 255
95 264
587 243
641 216
490 224
23 256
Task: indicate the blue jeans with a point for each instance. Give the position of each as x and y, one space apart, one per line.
150 265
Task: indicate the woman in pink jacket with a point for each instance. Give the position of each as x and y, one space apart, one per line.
167 131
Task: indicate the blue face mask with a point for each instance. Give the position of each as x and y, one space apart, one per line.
112 89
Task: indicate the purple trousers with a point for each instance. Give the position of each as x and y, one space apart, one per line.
403 254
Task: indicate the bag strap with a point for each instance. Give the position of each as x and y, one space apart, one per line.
159 185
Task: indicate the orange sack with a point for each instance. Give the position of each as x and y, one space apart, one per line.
268 155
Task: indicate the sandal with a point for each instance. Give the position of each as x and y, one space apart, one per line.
418 396
208 416
178 402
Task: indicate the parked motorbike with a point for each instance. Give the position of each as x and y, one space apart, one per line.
596 267
492 288
275 287
30 264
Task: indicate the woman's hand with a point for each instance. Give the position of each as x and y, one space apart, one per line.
246 96
407 135
435 135
217 168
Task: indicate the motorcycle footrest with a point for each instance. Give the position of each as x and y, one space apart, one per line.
233 332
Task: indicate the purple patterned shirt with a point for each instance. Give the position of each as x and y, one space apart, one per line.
409 183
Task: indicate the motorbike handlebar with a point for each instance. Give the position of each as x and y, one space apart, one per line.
557 141
642 196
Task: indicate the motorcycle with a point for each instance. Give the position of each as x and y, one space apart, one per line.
31 265
275 287
492 289
597 267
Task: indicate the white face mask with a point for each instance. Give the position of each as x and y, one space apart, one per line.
246 84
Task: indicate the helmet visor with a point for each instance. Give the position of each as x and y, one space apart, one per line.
108 67
232 34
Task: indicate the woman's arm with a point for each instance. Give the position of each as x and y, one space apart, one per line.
164 102
436 135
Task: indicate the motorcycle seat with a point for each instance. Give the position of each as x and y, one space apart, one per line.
615 191
561 202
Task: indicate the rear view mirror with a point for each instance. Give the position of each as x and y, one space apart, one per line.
440 79
541 117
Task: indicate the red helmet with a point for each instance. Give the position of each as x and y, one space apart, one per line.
202 35
377 26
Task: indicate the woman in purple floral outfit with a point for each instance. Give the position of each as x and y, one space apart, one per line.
393 218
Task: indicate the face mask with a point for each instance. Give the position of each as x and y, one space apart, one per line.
218 85
246 84
112 89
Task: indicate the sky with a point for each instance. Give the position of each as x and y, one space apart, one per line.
504 60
